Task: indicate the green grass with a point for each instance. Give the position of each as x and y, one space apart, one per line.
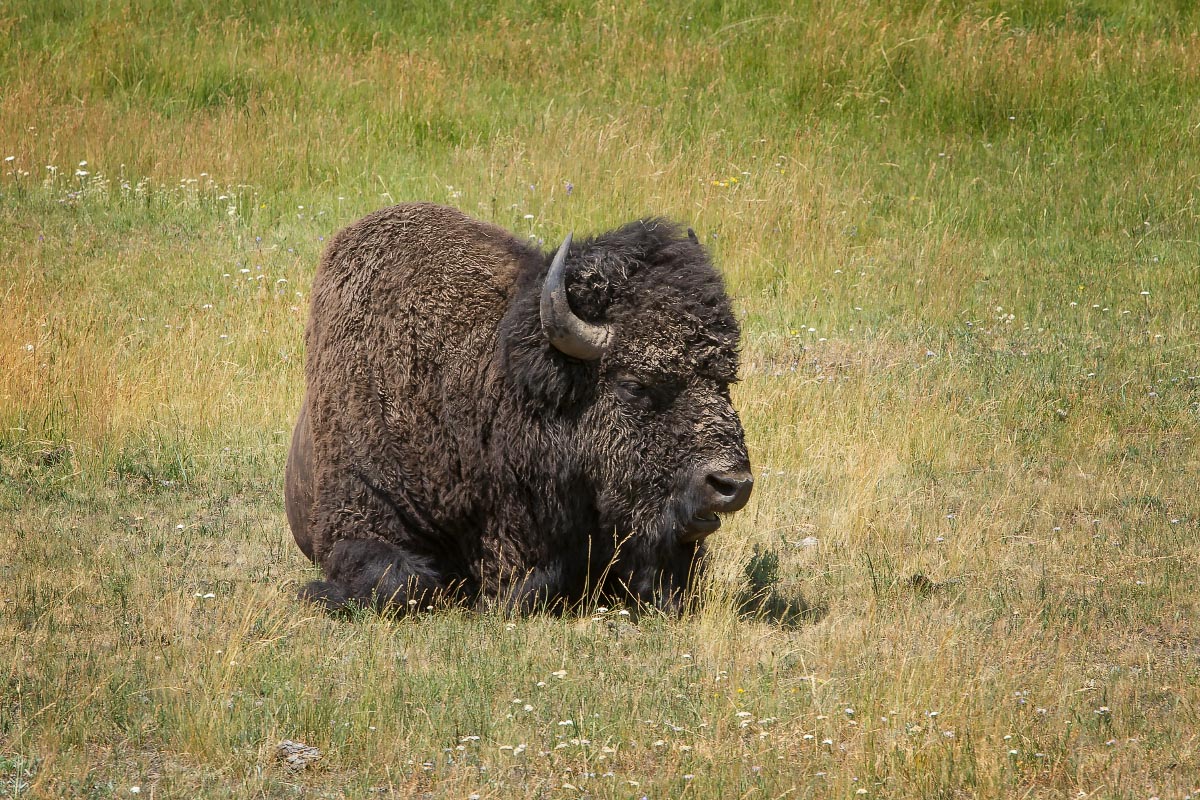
964 238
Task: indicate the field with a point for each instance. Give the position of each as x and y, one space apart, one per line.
964 241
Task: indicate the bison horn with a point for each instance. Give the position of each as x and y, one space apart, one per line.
567 332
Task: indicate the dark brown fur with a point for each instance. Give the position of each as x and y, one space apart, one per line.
447 449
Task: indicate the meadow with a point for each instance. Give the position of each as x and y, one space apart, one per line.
963 238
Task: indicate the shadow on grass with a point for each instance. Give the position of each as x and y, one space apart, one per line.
762 601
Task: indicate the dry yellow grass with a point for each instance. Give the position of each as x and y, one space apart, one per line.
964 248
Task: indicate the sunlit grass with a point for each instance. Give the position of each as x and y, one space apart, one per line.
963 244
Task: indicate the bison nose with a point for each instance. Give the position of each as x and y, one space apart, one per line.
728 491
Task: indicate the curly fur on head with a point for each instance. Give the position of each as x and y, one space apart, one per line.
442 422
645 274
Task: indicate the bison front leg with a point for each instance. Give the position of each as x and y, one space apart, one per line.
539 590
373 573
666 579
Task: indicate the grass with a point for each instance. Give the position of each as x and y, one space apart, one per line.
963 237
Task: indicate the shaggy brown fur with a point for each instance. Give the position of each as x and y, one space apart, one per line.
447 449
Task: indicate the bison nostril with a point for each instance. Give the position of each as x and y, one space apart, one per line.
729 491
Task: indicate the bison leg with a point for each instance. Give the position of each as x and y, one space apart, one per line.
666 581
372 573
540 590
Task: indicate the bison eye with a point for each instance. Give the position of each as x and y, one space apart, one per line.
634 392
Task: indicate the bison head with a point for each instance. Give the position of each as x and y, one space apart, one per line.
630 364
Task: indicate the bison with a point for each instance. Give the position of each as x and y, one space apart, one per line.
485 423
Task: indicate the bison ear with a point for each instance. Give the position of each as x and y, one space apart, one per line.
693 237
569 334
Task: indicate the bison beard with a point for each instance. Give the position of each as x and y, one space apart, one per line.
485 423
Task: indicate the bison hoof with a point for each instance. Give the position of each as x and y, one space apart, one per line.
329 596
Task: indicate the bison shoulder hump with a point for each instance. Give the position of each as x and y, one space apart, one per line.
420 250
